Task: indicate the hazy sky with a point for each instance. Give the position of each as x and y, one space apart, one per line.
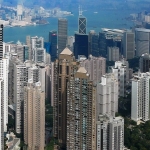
70 2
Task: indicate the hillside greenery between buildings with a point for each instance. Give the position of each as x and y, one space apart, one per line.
136 137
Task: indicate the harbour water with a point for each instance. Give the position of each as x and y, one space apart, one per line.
95 21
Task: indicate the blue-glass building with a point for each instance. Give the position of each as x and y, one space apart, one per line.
81 45
53 44
47 46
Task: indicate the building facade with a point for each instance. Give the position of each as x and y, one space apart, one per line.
95 66
28 43
81 45
53 44
144 63
20 80
82 25
107 95
113 54
34 116
70 42
140 105
39 52
142 41
1 41
4 70
64 67
116 131
110 133
2 114
62 34
33 73
81 112
129 45
121 72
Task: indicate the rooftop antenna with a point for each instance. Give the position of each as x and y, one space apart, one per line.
80 10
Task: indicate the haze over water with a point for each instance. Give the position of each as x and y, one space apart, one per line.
95 21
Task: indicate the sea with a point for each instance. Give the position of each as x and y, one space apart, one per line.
111 18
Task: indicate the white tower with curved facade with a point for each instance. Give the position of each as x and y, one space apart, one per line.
142 41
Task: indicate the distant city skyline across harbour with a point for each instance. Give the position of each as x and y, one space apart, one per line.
95 21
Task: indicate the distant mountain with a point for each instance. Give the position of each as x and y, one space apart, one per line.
73 4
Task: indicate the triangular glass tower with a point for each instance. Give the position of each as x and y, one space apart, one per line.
82 22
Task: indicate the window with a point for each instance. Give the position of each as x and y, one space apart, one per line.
67 70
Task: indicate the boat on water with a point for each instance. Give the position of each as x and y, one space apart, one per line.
95 12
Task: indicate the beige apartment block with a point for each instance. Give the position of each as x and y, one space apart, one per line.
64 68
34 116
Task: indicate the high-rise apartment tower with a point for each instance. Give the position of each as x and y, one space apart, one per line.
34 116
81 112
64 68
140 105
107 95
1 41
110 133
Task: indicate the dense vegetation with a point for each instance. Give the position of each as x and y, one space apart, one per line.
50 146
136 137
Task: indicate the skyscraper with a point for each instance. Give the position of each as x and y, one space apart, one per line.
121 72
81 45
20 52
81 112
1 42
102 44
70 42
20 80
2 114
19 12
39 53
140 105
82 22
28 43
105 40
113 54
95 66
116 134
110 133
34 116
107 95
52 82
144 63
142 41
94 46
64 67
26 51
128 45
53 44
4 66
33 73
62 34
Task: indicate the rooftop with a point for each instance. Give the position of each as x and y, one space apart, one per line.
142 29
66 51
82 70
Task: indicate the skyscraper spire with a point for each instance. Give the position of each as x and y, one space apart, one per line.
80 10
